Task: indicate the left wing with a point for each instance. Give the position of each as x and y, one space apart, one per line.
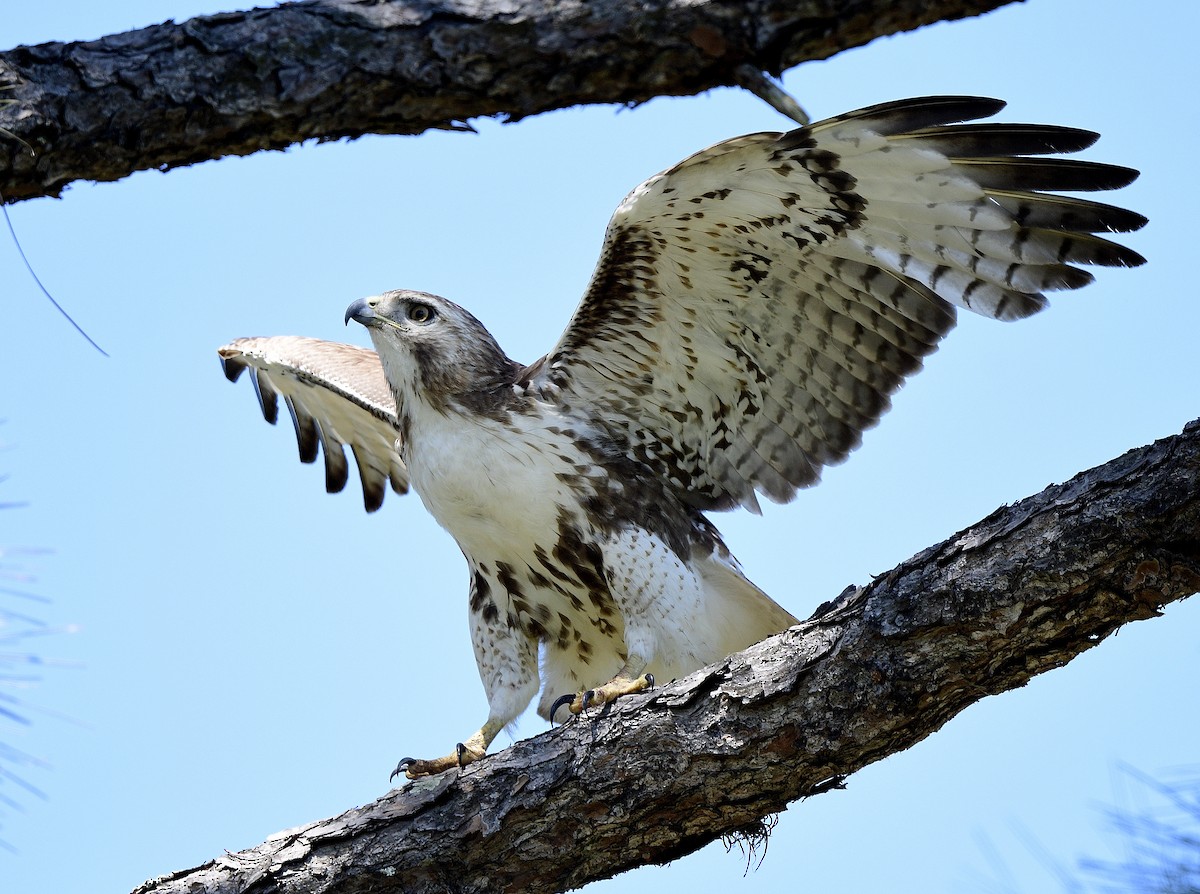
337 395
756 306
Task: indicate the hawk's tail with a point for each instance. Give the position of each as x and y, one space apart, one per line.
740 612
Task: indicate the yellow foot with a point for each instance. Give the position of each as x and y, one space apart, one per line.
601 695
415 769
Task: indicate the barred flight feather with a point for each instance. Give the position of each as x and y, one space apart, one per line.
754 309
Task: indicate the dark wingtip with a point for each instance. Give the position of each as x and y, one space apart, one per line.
372 496
232 365
1130 258
307 438
992 139
1119 176
267 397
1130 222
970 107
928 111
337 470
1076 138
373 487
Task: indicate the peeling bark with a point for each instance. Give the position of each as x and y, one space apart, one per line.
236 83
873 672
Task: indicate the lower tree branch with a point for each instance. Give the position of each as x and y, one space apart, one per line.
236 83
655 777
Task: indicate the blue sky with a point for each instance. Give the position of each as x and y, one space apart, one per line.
254 654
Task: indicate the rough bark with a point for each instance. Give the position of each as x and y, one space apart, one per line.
875 671
236 83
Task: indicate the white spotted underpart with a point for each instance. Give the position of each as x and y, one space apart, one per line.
507 485
753 311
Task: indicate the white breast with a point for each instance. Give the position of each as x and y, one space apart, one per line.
495 486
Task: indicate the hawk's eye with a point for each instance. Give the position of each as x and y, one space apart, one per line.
420 313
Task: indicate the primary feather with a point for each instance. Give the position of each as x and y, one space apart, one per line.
753 310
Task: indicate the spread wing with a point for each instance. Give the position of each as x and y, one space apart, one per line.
337 396
756 305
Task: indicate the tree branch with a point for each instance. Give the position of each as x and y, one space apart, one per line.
655 777
236 83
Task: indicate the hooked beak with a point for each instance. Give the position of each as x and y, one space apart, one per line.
361 311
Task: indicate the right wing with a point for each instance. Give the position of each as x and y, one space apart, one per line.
337 395
756 306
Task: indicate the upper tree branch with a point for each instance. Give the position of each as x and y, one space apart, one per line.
233 84
657 776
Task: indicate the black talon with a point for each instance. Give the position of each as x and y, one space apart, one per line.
405 763
649 681
559 702
460 749
587 700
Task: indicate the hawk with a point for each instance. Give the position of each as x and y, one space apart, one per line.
753 310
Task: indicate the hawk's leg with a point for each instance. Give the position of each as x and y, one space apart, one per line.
626 682
645 577
464 753
507 659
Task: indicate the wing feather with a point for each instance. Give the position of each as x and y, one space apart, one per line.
337 396
756 305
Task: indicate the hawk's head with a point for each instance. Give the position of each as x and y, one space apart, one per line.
433 350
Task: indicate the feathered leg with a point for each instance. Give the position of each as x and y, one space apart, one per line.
507 660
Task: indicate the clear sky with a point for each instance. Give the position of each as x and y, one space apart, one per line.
255 654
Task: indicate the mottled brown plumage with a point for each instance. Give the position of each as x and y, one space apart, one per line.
753 311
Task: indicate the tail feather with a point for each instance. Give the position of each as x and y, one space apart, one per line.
741 613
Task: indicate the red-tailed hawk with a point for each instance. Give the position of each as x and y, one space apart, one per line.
753 310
